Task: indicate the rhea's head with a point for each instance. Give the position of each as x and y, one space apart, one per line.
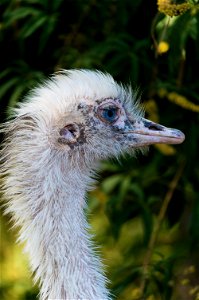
86 114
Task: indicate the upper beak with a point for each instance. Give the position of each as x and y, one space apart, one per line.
147 133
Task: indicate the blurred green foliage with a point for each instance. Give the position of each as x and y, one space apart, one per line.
145 210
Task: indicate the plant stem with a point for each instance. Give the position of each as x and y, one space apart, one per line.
157 226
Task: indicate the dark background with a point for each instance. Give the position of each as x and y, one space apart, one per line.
145 210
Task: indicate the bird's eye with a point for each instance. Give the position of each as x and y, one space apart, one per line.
109 114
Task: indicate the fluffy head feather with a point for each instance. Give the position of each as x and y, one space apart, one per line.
72 97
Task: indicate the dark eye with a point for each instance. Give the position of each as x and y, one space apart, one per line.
109 114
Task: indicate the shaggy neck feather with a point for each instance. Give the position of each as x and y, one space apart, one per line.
54 229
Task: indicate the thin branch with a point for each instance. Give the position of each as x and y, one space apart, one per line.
157 226
154 23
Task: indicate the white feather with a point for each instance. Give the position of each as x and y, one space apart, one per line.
45 185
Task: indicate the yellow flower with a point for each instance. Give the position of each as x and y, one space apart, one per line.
152 110
182 101
136 293
162 93
166 149
151 297
171 9
163 47
185 281
178 99
194 290
189 270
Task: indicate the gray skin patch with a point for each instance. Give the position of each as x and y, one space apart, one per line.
94 125
92 121
84 108
128 124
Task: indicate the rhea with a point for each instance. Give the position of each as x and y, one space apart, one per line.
53 144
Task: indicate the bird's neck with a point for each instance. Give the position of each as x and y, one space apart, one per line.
57 239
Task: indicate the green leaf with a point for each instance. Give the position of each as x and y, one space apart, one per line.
4 88
56 4
109 184
5 73
19 13
15 97
124 186
33 25
45 35
135 188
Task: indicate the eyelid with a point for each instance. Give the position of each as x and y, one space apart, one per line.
107 106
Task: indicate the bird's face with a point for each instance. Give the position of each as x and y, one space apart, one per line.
89 116
107 128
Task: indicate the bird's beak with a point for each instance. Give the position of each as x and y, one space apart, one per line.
145 132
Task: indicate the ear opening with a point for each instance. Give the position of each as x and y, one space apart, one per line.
69 134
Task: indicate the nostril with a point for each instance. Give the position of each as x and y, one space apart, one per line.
155 127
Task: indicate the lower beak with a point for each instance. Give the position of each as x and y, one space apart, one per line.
148 133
